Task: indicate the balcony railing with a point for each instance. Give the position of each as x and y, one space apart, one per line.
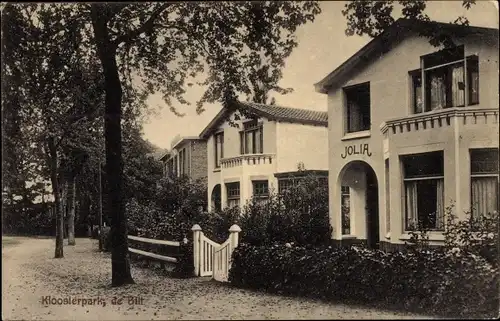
250 160
441 118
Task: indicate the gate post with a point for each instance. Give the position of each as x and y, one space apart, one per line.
233 236
196 248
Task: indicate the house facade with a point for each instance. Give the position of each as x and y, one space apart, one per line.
188 156
413 130
254 149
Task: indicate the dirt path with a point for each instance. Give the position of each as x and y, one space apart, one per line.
29 273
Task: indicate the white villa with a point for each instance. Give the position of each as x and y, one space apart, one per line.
248 156
412 129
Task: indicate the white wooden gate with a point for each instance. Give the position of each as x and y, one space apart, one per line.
213 259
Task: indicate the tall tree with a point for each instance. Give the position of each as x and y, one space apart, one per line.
373 17
164 44
57 89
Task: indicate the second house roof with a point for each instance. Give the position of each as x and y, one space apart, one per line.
271 112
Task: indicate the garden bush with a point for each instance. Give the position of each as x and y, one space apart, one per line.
475 234
298 215
451 284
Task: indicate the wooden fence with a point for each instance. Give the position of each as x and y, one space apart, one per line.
153 241
213 259
209 258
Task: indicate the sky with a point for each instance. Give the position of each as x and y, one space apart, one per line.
322 47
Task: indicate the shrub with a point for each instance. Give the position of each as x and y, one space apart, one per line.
427 281
476 235
298 214
185 266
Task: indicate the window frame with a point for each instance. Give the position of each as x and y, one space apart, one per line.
365 119
495 173
251 127
265 189
426 68
217 157
233 197
345 193
412 179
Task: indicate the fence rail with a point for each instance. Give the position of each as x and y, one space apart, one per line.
153 241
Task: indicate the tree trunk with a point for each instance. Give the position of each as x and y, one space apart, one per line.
57 198
64 203
71 214
120 265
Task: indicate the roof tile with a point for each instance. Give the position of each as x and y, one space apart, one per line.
290 114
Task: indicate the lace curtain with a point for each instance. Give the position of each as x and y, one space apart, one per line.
354 117
411 205
457 86
438 92
484 195
439 204
412 212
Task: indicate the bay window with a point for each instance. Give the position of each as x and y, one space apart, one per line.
447 76
484 181
424 191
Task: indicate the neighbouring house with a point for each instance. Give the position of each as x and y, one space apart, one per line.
254 149
413 129
187 156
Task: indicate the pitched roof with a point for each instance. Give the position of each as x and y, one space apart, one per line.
287 114
271 112
381 43
164 155
184 139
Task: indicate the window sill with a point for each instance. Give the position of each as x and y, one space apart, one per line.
433 236
356 135
348 237
216 170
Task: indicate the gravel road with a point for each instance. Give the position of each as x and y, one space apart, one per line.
38 287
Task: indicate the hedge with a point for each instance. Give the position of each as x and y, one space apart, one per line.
448 284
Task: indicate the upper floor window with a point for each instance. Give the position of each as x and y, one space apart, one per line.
357 100
251 138
484 181
448 75
424 190
219 148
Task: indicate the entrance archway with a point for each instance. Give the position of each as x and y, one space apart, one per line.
359 202
216 198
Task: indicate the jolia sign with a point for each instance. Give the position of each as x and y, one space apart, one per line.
361 149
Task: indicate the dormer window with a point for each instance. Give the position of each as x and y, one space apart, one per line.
448 78
251 138
357 99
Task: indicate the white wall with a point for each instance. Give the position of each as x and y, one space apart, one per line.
391 98
301 143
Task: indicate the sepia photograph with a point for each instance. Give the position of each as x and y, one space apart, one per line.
250 160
